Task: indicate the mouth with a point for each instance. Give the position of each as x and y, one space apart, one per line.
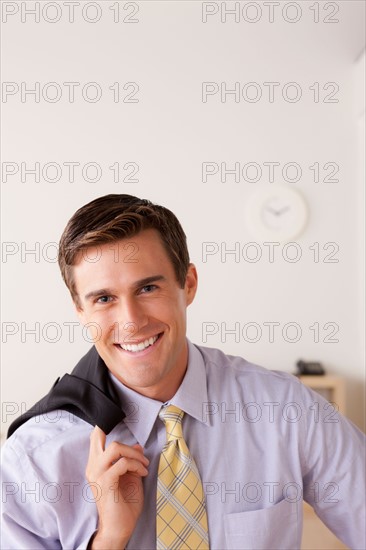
139 347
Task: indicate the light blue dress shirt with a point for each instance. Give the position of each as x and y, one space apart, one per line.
262 441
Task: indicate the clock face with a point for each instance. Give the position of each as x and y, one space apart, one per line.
277 213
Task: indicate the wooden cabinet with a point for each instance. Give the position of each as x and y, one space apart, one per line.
316 536
330 387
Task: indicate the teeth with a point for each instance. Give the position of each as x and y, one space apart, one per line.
141 346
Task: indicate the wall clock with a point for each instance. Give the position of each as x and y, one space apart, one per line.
276 213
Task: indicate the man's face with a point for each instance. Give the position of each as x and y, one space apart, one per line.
129 294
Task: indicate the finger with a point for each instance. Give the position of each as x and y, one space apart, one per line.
97 441
127 465
116 450
141 450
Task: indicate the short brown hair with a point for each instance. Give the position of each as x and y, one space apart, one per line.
113 217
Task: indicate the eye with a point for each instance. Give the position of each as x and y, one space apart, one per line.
103 299
147 289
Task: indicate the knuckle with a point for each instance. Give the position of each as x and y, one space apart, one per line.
114 446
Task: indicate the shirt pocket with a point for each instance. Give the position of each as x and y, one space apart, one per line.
278 526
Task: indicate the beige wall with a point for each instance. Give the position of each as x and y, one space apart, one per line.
167 133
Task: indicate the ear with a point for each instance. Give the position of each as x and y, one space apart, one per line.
191 284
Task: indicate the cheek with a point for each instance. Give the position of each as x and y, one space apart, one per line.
171 313
176 316
100 324
93 332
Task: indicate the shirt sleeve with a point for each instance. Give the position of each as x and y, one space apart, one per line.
28 520
334 470
21 526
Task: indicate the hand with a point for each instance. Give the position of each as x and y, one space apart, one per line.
114 474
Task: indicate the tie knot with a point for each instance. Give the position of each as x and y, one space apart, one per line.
172 418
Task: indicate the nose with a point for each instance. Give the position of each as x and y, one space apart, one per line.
131 319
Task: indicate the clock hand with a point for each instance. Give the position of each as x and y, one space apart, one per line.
277 212
284 209
268 208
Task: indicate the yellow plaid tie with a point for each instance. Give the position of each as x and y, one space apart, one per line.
181 520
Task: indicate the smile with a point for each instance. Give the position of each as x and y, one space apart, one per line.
140 346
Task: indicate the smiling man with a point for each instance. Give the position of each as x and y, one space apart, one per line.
139 311
159 443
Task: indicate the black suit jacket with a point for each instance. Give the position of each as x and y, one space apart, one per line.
87 393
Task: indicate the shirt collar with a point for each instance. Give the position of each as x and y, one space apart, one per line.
192 392
141 412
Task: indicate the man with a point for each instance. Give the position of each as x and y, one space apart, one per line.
67 484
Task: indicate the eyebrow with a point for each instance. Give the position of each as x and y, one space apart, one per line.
138 284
